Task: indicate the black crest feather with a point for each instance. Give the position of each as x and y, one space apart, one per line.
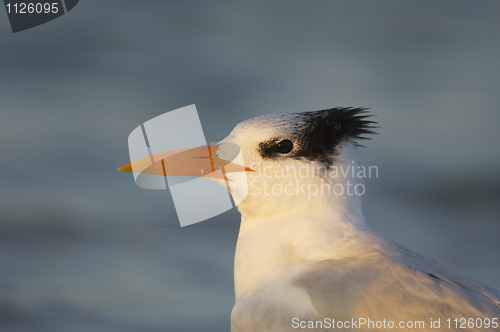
317 134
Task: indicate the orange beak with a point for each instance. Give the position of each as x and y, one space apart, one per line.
201 161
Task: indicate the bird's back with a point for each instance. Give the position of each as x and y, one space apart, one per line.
382 282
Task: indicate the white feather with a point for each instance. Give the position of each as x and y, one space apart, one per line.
312 258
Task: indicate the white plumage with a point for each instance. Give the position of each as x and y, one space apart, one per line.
303 259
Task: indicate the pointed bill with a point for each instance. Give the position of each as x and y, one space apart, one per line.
201 161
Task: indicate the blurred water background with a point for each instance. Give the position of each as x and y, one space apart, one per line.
82 248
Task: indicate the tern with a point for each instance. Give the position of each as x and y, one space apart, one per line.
306 260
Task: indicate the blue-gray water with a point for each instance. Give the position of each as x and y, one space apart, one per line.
82 248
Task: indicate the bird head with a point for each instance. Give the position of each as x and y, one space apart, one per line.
276 164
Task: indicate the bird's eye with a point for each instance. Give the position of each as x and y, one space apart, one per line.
285 146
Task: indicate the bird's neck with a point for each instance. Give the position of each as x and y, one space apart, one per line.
268 247
309 220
